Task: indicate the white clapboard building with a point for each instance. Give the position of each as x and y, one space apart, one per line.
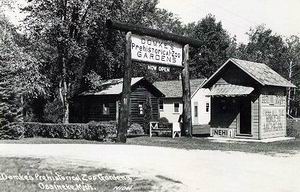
171 106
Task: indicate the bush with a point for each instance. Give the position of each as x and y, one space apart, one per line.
99 131
293 128
163 120
12 131
135 129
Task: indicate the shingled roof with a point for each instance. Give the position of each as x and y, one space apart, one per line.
173 89
258 71
111 87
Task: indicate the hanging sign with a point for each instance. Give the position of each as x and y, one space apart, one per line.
153 50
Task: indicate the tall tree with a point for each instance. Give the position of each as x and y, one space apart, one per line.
62 29
293 63
217 46
20 76
266 47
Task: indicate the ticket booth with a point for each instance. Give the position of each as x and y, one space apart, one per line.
248 100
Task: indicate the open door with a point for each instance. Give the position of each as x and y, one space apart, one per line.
245 116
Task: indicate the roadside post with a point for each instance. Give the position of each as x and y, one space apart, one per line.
153 47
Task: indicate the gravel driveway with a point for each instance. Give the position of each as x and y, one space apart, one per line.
197 170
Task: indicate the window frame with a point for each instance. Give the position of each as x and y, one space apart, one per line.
207 106
161 104
141 108
105 109
174 107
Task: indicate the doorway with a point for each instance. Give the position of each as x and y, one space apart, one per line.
245 116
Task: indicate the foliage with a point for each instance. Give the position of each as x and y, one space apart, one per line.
135 129
265 47
20 76
216 46
53 112
91 131
293 128
72 40
163 120
12 131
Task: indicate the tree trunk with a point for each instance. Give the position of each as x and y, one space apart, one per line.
65 93
289 89
125 100
187 116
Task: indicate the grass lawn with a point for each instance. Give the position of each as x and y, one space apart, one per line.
41 172
290 147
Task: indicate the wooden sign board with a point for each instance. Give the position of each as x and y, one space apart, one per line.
273 113
157 51
222 132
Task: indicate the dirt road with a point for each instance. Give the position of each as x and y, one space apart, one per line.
197 170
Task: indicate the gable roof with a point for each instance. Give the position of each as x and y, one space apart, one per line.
229 90
115 86
260 72
173 89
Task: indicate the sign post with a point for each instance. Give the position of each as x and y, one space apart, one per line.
154 47
125 100
186 93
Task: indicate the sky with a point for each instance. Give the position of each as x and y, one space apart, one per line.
238 16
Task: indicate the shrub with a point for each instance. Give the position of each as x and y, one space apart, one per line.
163 120
293 128
99 131
12 131
135 129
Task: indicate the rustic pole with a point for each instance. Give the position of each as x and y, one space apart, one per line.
187 117
137 29
125 100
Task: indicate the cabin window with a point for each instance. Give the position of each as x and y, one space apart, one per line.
207 107
141 109
196 110
105 109
161 105
176 107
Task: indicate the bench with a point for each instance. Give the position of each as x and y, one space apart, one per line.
156 127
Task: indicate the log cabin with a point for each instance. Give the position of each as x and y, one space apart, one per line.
103 104
248 100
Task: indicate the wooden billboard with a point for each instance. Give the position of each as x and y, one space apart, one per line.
157 51
159 48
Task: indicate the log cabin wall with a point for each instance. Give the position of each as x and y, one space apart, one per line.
139 98
90 108
94 108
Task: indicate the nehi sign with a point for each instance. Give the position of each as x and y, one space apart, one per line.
153 50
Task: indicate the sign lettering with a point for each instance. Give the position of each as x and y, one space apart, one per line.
273 119
273 100
153 50
222 132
